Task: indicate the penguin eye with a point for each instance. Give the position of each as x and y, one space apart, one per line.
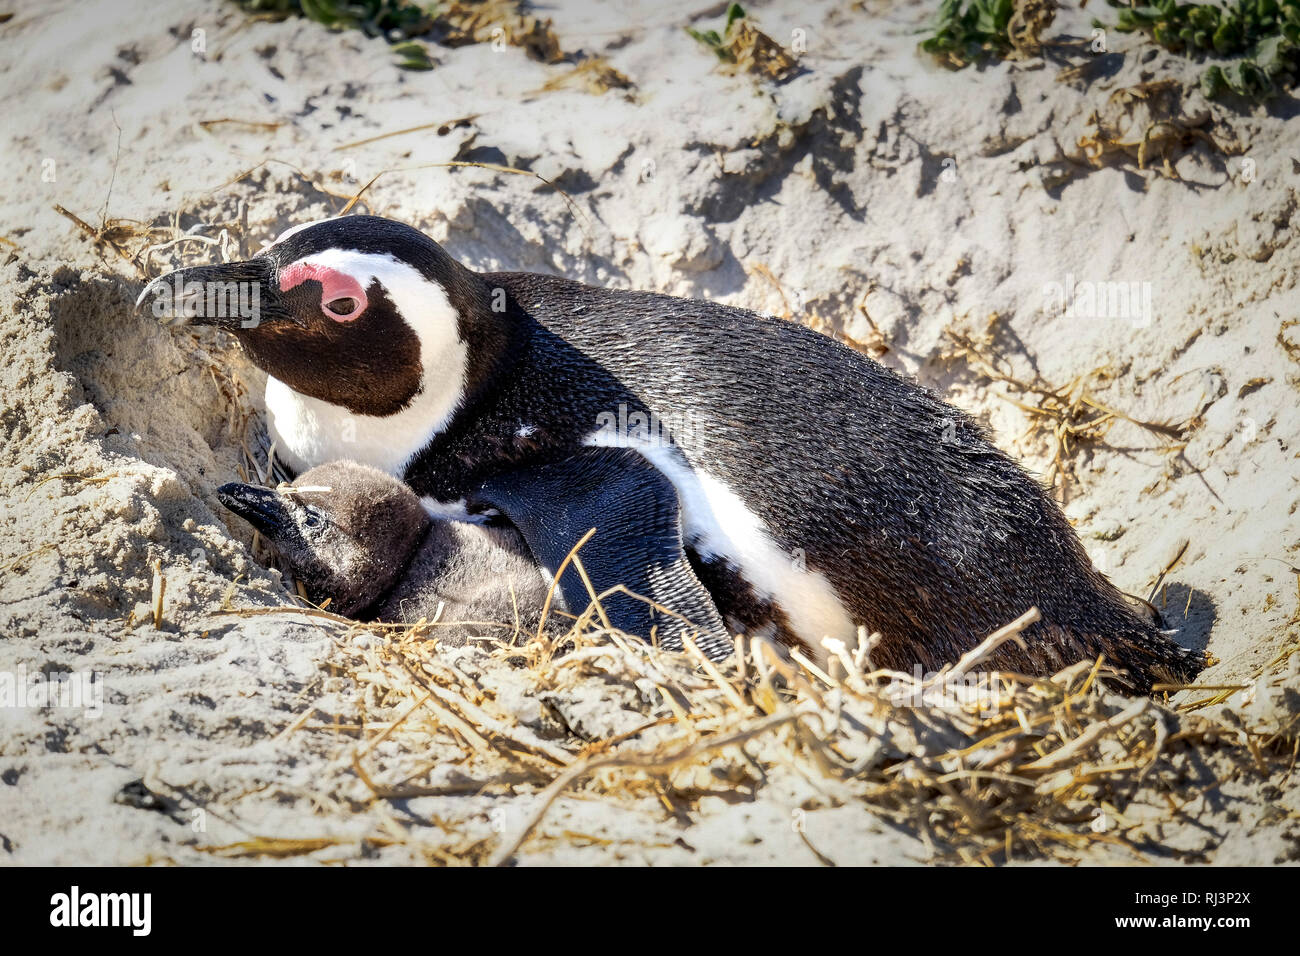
344 305
312 518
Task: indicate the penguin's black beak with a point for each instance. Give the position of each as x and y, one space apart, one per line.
230 295
263 508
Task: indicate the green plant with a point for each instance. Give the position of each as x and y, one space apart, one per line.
720 43
743 47
394 20
966 31
413 56
1263 36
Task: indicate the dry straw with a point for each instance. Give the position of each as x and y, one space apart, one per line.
983 768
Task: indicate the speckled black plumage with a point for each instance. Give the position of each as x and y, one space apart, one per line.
929 534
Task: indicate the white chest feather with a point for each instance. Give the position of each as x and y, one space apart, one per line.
308 432
455 511
717 523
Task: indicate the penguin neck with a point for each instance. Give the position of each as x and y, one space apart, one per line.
495 329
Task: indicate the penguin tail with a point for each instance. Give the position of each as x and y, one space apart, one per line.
1137 653
1147 658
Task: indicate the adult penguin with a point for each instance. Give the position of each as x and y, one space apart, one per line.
727 460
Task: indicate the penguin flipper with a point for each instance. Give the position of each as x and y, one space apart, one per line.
638 541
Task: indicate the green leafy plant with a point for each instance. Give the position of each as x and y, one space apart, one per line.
745 48
967 31
413 56
395 20
720 43
1263 36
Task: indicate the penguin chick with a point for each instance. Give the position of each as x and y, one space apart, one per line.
361 538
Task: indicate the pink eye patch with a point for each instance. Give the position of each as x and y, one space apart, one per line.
342 298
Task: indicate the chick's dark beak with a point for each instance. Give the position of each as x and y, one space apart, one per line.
263 508
230 295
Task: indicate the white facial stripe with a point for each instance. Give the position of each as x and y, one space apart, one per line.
310 432
717 523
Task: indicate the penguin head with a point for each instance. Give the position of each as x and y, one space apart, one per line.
346 530
361 312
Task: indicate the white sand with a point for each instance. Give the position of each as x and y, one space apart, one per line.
874 184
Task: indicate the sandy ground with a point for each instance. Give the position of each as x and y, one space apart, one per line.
934 218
